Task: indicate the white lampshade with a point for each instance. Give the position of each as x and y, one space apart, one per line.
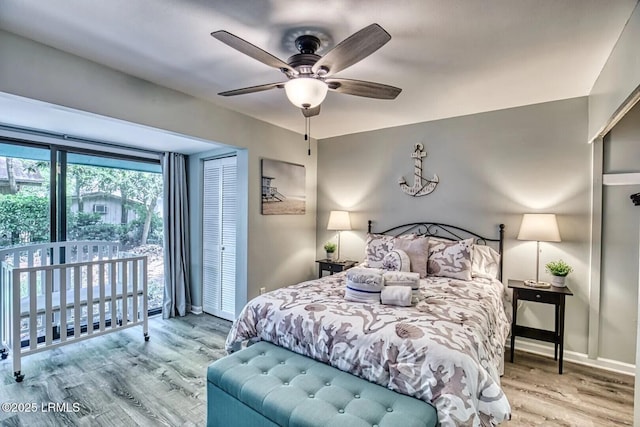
539 227
306 92
339 220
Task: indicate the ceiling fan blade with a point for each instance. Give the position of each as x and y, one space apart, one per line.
310 112
251 50
363 88
252 89
351 50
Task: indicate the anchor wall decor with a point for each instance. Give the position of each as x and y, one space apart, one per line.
421 186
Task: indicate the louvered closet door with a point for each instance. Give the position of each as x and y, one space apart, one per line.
219 200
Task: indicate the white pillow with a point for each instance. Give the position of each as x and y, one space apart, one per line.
485 262
396 260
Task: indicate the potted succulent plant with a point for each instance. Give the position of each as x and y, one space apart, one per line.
330 248
559 270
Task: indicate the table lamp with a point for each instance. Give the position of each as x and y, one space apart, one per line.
539 228
339 221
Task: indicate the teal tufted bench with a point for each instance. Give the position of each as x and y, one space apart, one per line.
266 385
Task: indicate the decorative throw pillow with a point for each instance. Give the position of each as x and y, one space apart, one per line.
378 245
396 260
417 248
434 239
485 262
451 259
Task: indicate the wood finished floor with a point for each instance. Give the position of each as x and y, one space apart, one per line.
582 396
119 380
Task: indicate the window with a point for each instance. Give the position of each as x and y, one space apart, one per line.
101 209
91 196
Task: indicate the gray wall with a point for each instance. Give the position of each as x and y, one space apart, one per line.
281 248
620 231
493 167
622 145
619 77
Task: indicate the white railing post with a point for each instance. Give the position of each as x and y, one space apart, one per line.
15 321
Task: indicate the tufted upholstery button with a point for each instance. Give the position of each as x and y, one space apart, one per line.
327 384
303 372
311 395
264 373
282 363
389 410
285 383
262 354
357 396
341 410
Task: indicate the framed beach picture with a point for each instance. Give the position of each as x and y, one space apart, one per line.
283 188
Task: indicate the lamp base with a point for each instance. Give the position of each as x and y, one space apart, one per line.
535 284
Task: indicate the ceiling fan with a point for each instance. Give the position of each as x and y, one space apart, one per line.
310 75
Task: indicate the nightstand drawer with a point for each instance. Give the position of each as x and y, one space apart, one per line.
538 296
333 268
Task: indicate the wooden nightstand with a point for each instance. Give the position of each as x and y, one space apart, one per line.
552 295
334 266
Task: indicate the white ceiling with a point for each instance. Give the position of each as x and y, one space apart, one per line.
450 57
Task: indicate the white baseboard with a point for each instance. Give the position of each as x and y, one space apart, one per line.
575 357
196 309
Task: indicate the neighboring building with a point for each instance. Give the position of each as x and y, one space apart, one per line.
23 176
109 206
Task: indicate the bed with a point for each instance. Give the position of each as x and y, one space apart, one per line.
446 348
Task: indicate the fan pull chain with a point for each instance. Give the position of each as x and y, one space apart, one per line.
307 132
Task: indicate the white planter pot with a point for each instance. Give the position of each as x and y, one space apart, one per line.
558 281
330 255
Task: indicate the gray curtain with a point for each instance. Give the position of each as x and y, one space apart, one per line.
177 297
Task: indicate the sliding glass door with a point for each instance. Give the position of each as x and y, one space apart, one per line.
91 196
25 199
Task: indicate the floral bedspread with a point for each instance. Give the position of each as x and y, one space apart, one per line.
447 349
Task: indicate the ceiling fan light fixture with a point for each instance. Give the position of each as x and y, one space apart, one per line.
306 92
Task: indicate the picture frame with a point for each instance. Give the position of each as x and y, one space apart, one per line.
283 188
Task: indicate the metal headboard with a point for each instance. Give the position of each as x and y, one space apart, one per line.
445 231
